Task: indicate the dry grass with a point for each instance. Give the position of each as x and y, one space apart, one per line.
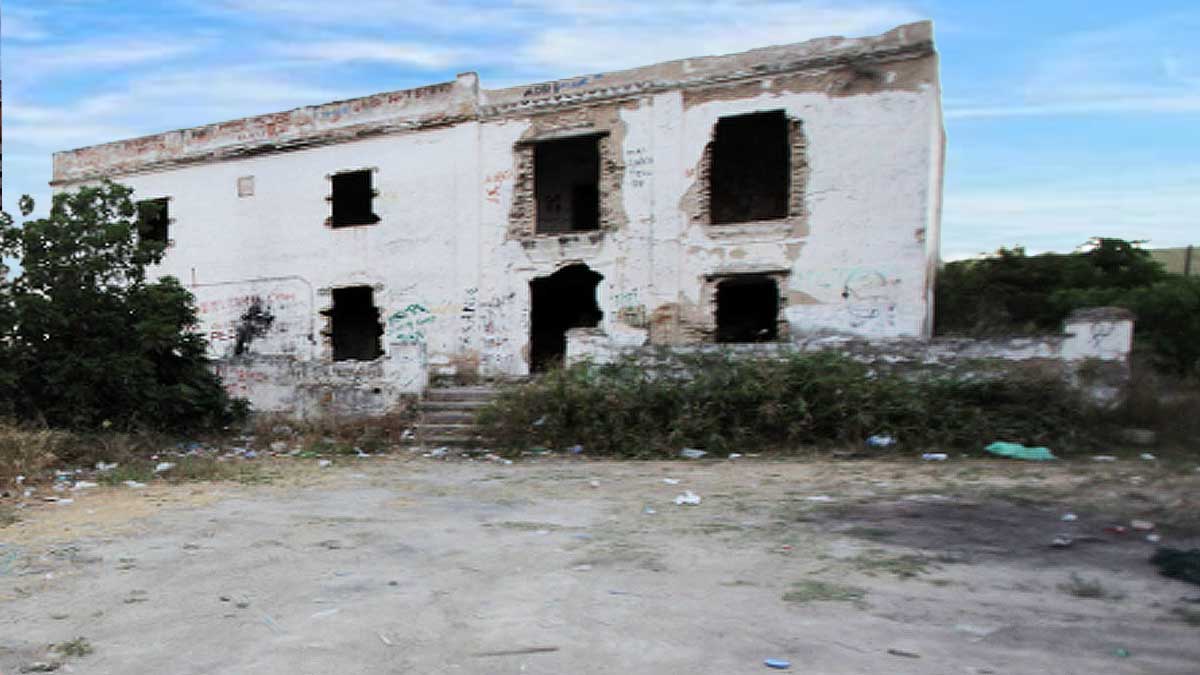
28 452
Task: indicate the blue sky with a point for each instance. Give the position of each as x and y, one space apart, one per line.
1066 119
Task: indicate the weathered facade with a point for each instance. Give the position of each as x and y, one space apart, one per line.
343 254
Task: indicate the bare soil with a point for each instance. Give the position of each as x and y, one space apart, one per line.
406 565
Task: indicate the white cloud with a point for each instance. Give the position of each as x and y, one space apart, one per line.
1060 217
348 51
680 29
1145 66
19 23
46 59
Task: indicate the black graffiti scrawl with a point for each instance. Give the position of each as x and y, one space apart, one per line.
253 324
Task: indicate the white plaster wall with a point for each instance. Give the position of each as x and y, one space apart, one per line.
453 290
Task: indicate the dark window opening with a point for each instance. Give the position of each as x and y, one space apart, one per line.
559 302
567 184
153 220
351 199
747 309
751 168
355 328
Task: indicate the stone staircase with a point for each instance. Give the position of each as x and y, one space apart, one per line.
447 415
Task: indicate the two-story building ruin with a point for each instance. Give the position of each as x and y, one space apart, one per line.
343 254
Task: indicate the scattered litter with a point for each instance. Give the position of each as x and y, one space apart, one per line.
690 498
324 613
1115 529
935 457
134 484
735 455
324 463
649 511
20 479
40 667
1018 451
1061 541
671 481
517 652
383 638
1148 457
164 466
64 501
582 568
692 453
1178 564
84 485
541 532
437 452
279 446
819 498
106 466
541 421
576 449
271 623
901 652
1070 517
1153 538
778 664
1103 458
1121 652
881 441
1141 525
594 483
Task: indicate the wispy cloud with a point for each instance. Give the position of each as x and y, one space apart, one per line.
376 51
21 24
1143 66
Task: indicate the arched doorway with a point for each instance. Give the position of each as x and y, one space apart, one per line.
559 302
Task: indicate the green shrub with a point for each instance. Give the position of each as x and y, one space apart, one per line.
724 403
87 341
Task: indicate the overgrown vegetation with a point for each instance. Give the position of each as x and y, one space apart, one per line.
1012 292
87 342
723 403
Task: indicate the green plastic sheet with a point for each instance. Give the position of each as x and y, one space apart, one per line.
1018 451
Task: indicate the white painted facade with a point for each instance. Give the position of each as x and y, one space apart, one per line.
450 277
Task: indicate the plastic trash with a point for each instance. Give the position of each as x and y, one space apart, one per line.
1103 458
324 463
935 457
576 450
1141 525
689 498
164 466
1153 538
134 484
819 498
1069 517
778 664
692 453
106 466
84 485
671 481
649 511
735 455
881 441
1062 541
1148 457
594 483
1018 451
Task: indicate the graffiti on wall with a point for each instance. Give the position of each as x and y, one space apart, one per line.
232 322
408 325
639 167
494 183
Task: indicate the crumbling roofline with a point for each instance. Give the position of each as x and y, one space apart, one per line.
461 100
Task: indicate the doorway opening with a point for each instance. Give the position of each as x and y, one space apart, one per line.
559 302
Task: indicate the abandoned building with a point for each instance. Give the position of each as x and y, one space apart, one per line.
344 254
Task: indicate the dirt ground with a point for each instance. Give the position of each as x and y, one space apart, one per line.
412 565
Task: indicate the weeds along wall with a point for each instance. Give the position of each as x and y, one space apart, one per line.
434 209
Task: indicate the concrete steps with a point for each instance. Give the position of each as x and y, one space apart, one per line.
447 415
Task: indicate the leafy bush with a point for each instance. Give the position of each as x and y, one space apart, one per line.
1014 293
724 403
86 341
